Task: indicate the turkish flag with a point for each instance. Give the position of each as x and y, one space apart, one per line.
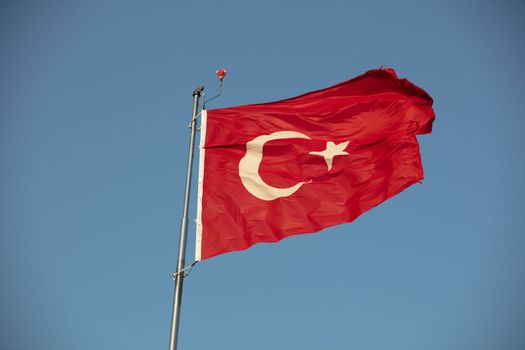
272 170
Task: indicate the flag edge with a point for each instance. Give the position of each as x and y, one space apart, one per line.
200 182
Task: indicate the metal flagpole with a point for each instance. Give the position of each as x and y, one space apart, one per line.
179 275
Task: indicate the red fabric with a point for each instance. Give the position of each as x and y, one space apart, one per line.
378 113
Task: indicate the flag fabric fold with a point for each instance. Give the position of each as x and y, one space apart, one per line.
272 170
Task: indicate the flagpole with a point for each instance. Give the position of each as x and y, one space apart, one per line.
179 275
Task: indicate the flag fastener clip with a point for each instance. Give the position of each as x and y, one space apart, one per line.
185 272
194 119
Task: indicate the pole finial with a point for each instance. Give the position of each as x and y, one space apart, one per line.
198 90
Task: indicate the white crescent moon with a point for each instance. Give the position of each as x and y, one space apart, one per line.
249 167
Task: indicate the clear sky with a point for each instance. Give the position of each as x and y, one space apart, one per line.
95 99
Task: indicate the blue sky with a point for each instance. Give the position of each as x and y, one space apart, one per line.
95 99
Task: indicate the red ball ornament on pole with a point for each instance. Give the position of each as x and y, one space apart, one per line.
221 73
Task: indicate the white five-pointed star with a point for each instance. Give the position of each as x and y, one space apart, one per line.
331 151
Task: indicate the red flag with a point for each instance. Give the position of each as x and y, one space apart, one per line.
273 170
